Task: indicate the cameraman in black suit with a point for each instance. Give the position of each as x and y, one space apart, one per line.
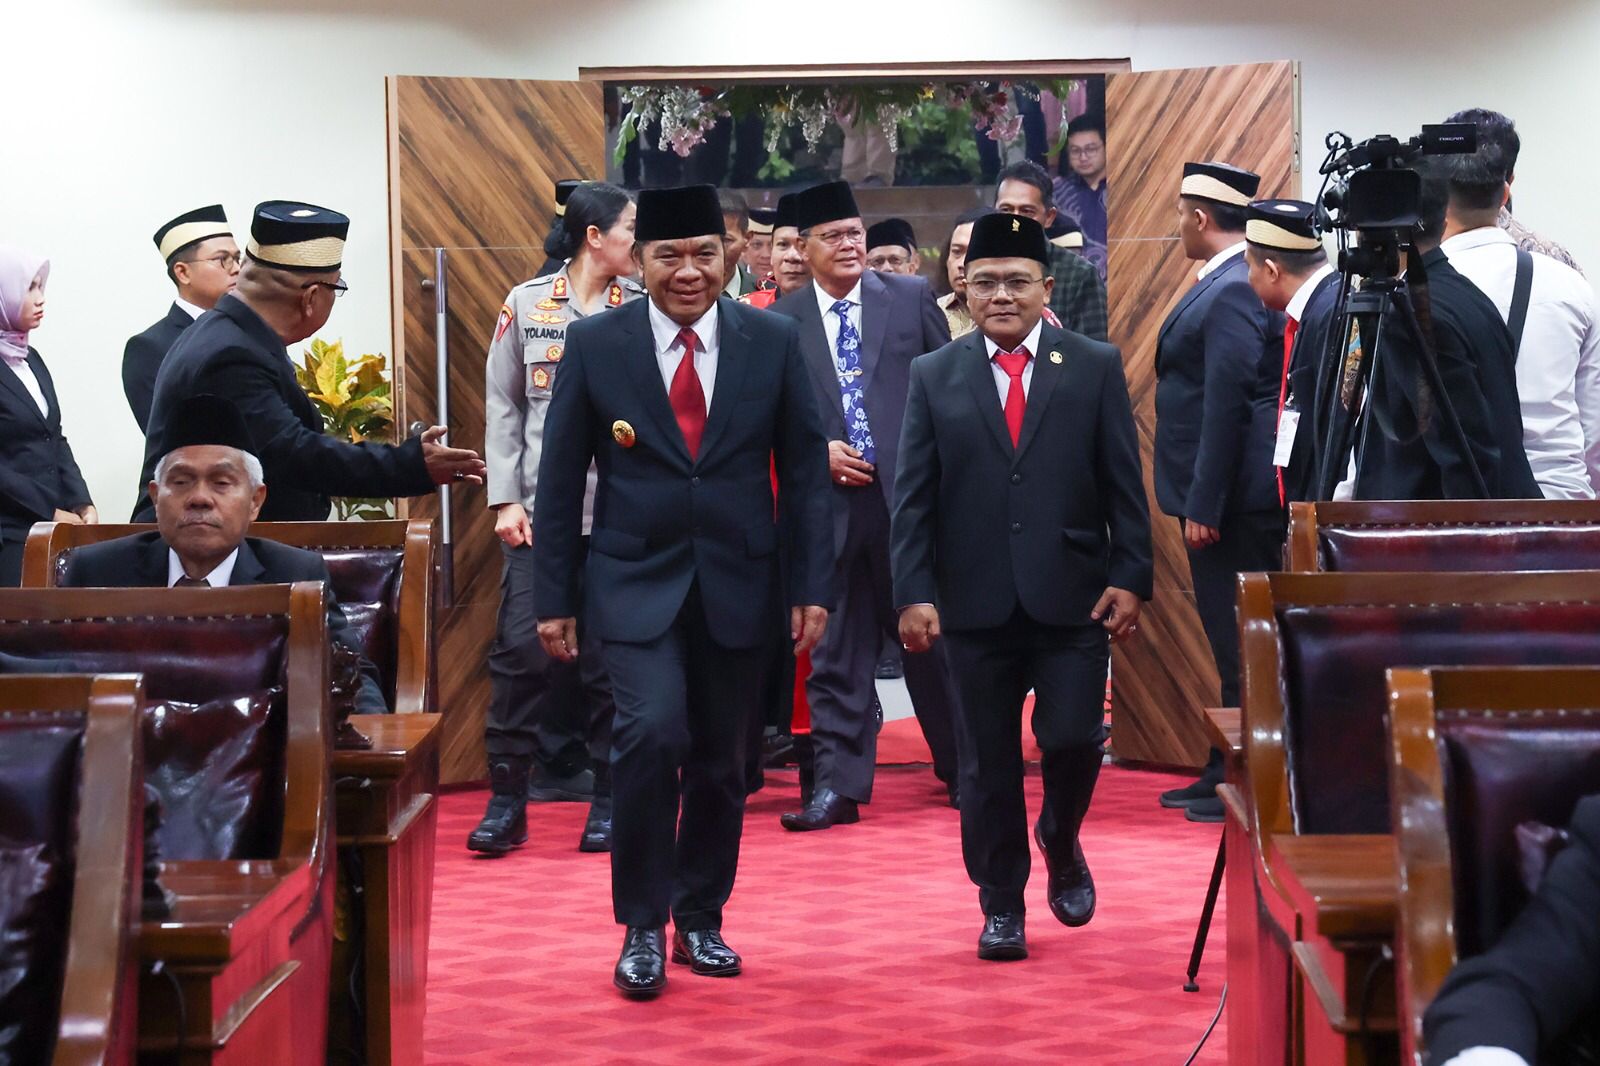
1022 534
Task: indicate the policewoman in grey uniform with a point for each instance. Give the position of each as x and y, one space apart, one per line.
548 718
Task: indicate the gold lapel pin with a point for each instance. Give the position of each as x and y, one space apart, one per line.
623 433
1055 357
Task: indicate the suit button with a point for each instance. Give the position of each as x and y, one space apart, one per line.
1016 479
694 481
1016 527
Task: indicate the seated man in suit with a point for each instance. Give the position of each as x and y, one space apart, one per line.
1022 531
207 490
1535 995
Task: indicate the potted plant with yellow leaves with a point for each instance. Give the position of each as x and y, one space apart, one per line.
354 399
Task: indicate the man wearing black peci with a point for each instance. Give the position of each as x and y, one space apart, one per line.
238 350
1022 537
684 402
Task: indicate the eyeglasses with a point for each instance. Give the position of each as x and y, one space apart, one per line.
222 260
339 287
1085 151
834 238
985 288
877 262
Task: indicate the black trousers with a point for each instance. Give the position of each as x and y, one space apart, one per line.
1250 541
11 563
685 705
541 708
841 687
994 669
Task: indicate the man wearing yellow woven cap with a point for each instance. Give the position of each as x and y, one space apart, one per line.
291 276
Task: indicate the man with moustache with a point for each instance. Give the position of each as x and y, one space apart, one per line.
1022 544
683 401
790 270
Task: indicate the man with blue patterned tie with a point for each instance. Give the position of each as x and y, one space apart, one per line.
859 331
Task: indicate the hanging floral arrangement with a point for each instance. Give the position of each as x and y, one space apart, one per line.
680 116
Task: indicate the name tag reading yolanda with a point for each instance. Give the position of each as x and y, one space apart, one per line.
1288 424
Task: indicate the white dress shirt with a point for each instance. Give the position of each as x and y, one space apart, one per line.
669 350
192 310
1302 296
217 579
1558 366
830 321
1487 1056
30 381
1002 380
1217 260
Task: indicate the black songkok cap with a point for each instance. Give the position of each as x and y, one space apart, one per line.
891 231
828 202
786 213
564 190
1000 236
1219 183
206 420
296 236
191 227
1065 233
1282 226
674 214
762 219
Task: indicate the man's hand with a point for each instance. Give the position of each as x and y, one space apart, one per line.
846 466
447 464
806 626
511 525
70 518
560 638
919 626
1118 611
90 516
1197 536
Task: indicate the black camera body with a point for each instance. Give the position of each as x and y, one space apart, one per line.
1371 185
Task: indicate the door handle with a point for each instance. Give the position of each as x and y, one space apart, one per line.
439 283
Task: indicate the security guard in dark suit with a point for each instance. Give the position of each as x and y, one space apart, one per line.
285 294
1022 535
203 262
1218 362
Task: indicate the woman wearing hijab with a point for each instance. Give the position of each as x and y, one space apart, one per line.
39 478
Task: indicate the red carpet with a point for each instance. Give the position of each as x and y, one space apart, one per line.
858 945
900 742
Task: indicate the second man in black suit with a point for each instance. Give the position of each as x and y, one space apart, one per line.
860 330
1022 535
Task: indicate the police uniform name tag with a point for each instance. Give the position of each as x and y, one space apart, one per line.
1288 425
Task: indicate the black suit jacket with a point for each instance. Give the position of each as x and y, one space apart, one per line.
980 526
231 352
899 321
1543 976
1306 387
1219 361
141 361
1412 456
664 522
37 471
140 561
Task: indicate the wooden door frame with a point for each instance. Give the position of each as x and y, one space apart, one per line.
827 72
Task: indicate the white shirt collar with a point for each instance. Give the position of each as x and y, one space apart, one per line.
1031 343
217 579
1477 238
1217 260
825 302
665 330
1302 296
192 310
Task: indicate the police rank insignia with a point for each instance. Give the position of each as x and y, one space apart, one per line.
1055 357
547 304
622 433
559 290
553 353
614 297
541 378
503 322
545 319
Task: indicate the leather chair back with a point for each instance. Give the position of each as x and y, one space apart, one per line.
1450 535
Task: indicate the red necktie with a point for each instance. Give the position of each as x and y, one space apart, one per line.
687 397
1289 330
1014 363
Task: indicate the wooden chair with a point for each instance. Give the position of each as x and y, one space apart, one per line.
77 739
1454 535
1475 752
1314 650
243 954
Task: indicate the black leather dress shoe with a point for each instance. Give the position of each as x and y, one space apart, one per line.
1199 789
1071 885
597 828
705 953
642 969
1002 939
505 822
826 809
1205 810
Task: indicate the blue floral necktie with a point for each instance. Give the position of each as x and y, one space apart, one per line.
848 361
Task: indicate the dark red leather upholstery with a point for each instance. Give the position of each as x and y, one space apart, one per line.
1499 772
1334 660
212 766
1354 549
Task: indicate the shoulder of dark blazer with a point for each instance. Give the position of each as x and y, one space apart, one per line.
790 306
902 284
120 555
759 324
288 562
631 317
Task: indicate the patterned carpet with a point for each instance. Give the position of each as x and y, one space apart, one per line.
858 945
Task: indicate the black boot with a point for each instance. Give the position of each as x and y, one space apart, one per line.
805 758
505 823
1069 779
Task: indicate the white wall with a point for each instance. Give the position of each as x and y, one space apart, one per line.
124 112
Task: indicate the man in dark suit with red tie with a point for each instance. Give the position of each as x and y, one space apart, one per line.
1021 540
684 402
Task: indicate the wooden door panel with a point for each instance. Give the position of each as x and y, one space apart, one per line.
1157 121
